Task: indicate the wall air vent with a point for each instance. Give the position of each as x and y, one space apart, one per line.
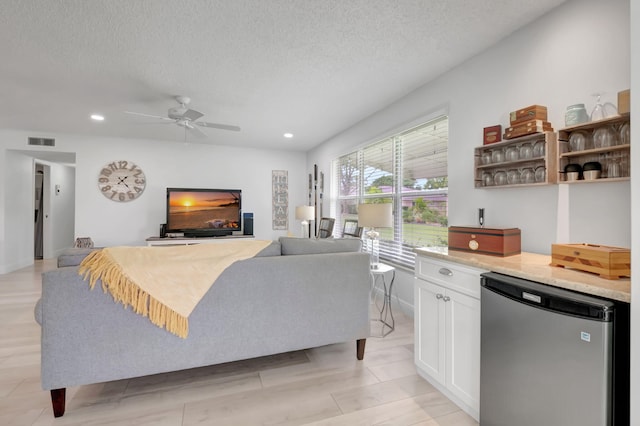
42 141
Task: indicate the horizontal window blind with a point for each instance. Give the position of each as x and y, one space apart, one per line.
408 170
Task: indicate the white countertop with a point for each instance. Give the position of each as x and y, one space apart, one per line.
535 267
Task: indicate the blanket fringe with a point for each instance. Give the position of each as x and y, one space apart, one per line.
99 265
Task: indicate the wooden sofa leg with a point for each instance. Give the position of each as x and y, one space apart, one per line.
58 397
360 348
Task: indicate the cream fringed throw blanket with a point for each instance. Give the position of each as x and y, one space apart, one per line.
164 283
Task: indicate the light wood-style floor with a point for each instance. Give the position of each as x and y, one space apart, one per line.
320 386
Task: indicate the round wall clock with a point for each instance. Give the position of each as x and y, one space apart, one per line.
121 181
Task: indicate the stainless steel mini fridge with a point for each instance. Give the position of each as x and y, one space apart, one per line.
548 356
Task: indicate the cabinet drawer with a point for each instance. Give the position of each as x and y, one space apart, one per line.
464 279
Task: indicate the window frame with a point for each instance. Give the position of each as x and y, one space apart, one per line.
395 251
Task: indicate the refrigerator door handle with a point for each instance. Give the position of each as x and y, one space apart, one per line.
531 297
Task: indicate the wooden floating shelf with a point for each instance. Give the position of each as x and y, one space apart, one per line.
583 181
595 151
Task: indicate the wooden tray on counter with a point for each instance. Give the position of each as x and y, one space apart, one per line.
609 262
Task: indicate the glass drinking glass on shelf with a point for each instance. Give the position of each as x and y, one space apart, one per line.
512 153
538 149
613 168
602 111
624 164
624 134
486 157
500 178
497 155
526 151
540 174
528 175
604 137
487 179
578 141
513 176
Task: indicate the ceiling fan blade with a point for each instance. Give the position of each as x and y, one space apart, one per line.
196 132
192 115
218 126
149 115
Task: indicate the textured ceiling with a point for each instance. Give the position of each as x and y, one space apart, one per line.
309 67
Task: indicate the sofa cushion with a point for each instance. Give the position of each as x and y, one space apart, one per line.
292 245
73 256
272 249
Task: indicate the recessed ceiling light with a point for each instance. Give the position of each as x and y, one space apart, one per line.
288 135
97 117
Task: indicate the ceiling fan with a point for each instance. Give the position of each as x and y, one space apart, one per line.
187 118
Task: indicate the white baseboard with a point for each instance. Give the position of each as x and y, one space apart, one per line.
10 267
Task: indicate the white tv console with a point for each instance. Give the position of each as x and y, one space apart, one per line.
185 241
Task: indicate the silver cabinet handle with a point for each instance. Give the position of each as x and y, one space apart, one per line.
439 296
446 298
446 271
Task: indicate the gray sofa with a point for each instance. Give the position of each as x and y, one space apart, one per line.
295 294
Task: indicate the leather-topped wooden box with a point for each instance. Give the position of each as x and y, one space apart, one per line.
492 241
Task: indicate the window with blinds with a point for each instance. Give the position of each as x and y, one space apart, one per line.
408 170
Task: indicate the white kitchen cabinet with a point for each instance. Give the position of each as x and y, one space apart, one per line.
447 329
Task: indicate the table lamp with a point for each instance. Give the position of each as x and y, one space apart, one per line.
374 216
305 214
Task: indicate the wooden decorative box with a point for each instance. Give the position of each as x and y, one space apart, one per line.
491 241
527 128
624 102
533 112
492 134
531 124
608 262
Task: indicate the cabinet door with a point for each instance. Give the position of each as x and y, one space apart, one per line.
463 346
430 329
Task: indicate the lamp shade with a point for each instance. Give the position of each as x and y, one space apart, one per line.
305 213
375 215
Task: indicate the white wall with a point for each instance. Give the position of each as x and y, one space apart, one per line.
563 58
166 164
19 210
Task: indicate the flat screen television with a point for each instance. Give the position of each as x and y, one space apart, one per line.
197 212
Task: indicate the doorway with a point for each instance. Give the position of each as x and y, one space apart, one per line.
38 230
57 213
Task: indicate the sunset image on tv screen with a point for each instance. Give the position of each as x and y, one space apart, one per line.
207 209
